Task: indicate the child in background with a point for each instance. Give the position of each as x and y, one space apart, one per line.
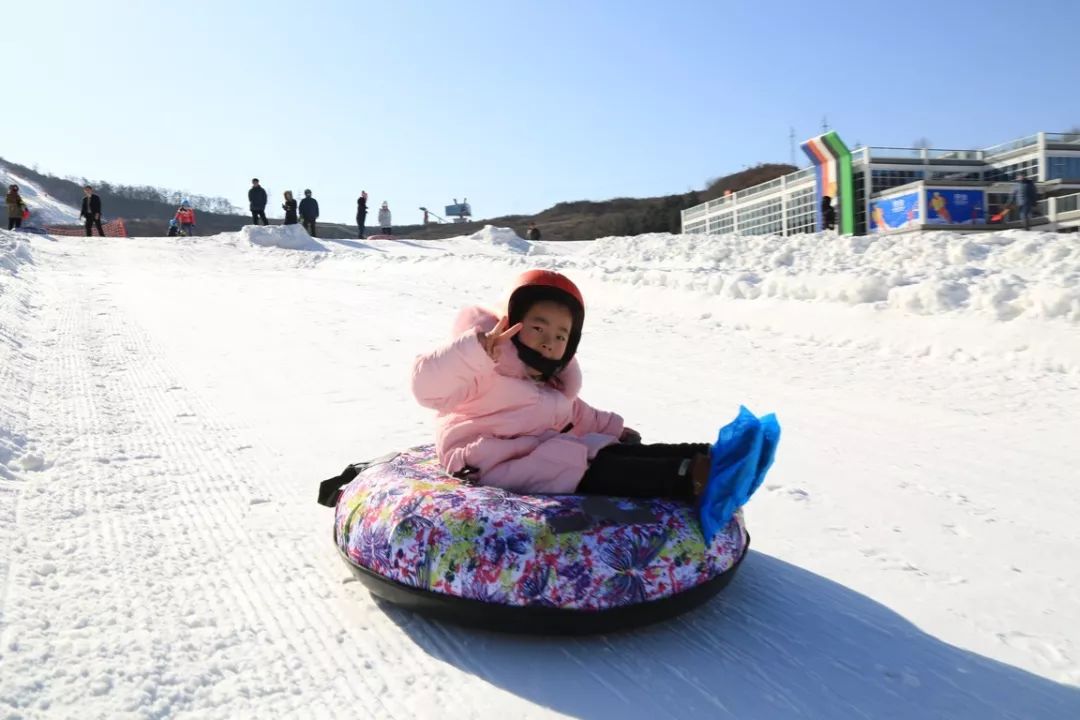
185 216
506 392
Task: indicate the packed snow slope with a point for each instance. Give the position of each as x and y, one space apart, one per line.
44 208
168 406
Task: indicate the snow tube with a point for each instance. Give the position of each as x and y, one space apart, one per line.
482 556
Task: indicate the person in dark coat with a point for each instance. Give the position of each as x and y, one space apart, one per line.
1025 198
361 212
289 206
533 233
91 211
257 198
828 213
309 212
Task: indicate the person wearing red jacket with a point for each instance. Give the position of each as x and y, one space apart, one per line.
185 216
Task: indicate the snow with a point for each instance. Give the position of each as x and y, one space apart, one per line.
168 407
287 237
44 208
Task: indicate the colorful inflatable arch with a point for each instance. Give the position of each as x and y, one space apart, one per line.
832 159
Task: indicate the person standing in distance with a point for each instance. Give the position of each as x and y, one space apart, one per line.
15 207
361 212
384 218
91 211
289 206
1025 197
309 212
257 198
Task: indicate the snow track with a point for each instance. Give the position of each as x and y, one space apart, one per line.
167 409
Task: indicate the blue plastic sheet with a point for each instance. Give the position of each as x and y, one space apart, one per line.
740 458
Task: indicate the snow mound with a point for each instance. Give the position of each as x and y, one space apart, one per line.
502 237
14 252
288 237
1000 275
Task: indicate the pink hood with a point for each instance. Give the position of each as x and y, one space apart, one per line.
517 433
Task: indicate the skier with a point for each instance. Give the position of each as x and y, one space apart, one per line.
174 228
185 215
91 211
384 218
257 199
361 212
289 206
309 212
15 207
509 415
533 233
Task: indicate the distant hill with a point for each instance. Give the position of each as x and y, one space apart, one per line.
146 210
588 220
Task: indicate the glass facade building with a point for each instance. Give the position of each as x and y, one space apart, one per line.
787 205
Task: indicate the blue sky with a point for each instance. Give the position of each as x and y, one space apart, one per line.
516 105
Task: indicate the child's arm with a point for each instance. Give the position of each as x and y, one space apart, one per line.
451 375
588 419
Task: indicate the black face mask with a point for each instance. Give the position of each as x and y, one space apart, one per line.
545 366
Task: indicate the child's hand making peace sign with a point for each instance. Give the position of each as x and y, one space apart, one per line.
490 340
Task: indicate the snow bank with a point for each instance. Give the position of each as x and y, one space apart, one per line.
16 365
1003 275
501 237
288 237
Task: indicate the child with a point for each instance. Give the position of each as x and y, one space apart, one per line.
185 215
174 228
506 392
384 219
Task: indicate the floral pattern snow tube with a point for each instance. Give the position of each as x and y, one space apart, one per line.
407 521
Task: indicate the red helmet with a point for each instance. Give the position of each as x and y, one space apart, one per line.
534 286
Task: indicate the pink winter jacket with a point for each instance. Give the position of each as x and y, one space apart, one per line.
494 418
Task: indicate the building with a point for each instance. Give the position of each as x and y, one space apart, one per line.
883 189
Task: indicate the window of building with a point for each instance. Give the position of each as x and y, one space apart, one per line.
1063 168
883 179
801 212
763 218
698 226
1013 171
860 203
722 224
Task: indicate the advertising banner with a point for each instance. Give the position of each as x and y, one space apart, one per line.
895 212
955 207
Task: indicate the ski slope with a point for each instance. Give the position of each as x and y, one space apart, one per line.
168 406
44 208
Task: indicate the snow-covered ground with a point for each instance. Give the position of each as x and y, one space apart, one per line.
168 406
44 208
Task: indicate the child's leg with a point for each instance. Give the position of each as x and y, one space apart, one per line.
643 471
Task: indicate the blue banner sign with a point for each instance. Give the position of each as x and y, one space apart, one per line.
895 212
